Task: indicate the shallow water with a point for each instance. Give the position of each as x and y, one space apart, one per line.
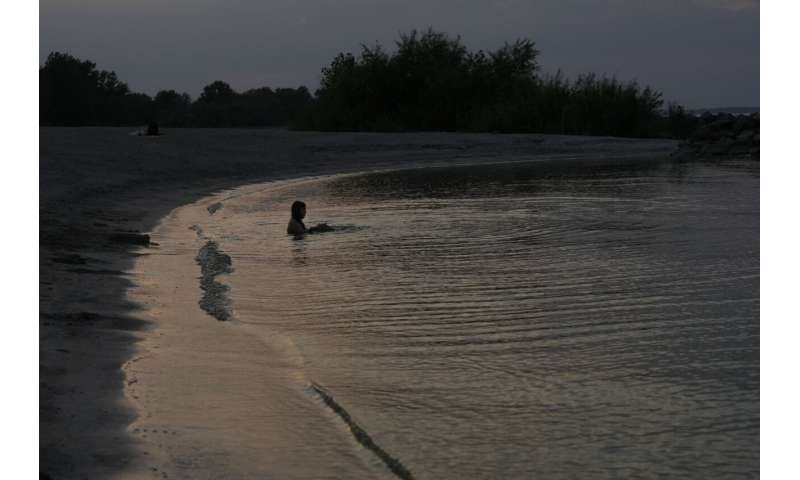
551 320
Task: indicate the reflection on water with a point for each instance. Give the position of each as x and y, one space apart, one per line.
558 320
299 253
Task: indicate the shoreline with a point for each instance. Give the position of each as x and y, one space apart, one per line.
205 385
99 181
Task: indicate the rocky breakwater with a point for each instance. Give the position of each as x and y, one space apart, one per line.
723 135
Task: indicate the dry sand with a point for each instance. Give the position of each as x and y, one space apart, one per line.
96 183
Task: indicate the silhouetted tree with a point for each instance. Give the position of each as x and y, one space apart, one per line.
681 124
432 82
172 108
135 109
221 106
217 92
74 92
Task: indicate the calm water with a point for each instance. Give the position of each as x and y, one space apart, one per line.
548 320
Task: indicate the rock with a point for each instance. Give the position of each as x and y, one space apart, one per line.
744 122
70 259
723 147
152 129
707 117
707 133
721 126
723 134
212 209
745 136
130 238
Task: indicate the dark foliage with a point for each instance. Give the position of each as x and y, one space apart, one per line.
73 93
173 108
680 123
432 82
220 106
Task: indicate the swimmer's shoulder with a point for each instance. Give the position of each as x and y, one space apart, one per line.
295 227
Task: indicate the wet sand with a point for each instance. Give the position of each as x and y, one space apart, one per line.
98 182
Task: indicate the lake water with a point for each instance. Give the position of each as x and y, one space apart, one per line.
540 320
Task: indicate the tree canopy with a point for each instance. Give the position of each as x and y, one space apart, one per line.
430 81
73 92
433 82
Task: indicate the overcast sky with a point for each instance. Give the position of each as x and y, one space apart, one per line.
702 53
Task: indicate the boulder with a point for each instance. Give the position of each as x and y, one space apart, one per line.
725 121
130 238
744 122
707 133
720 148
745 136
707 117
723 135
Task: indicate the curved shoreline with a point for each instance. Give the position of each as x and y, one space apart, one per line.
88 328
171 272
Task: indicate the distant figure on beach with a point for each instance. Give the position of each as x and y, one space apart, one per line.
296 225
152 129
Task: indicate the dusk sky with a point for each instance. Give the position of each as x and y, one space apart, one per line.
701 53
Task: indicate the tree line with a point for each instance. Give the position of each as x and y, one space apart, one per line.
433 82
73 92
429 82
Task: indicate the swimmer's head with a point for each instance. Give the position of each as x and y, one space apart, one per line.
298 210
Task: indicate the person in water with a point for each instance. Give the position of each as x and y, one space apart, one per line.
296 225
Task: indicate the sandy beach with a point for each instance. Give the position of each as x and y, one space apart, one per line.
102 187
